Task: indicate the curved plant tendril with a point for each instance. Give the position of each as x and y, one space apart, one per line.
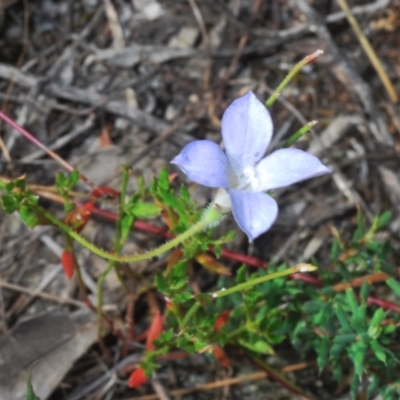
210 218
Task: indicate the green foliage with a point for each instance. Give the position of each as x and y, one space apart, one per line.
340 326
64 185
14 196
335 323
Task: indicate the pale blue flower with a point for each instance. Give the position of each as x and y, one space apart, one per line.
241 173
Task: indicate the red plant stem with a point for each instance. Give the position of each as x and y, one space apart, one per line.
387 305
311 280
243 258
39 144
141 225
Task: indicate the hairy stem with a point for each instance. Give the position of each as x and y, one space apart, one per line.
211 217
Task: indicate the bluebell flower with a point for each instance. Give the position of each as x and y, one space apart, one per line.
241 174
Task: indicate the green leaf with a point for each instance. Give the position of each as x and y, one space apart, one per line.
169 199
345 339
141 186
336 350
378 317
126 226
60 179
384 219
9 203
198 346
161 284
352 301
388 329
359 350
323 352
184 192
259 346
394 285
342 317
335 250
73 177
28 216
179 272
379 351
144 210
163 179
241 275
182 297
30 394
19 183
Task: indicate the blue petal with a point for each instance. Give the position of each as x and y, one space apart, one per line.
285 167
204 162
246 131
254 212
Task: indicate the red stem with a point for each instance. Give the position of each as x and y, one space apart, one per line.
39 144
387 305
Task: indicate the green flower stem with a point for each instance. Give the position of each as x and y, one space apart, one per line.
118 245
306 60
99 297
253 282
211 217
192 310
246 285
301 132
178 317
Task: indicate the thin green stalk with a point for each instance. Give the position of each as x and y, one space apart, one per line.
306 60
210 217
192 310
253 282
99 297
121 211
237 332
301 132
118 245
178 316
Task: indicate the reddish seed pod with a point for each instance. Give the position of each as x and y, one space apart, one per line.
221 356
221 320
68 263
78 217
137 378
155 330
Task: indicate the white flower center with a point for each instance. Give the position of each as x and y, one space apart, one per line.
248 180
223 201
